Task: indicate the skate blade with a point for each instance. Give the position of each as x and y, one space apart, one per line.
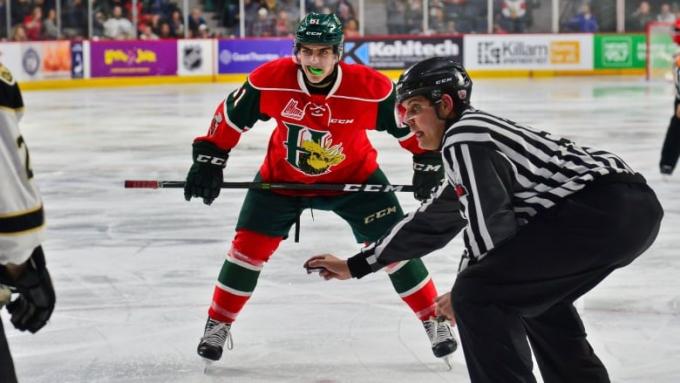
206 363
448 360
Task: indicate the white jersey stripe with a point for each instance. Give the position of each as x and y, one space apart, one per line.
545 169
233 291
481 224
472 242
415 288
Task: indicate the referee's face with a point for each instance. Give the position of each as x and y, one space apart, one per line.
421 117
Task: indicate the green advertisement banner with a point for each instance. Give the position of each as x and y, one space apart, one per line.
625 51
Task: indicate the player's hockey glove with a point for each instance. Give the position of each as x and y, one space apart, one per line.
428 172
34 306
205 176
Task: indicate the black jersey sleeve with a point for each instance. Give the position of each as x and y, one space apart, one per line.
427 229
485 181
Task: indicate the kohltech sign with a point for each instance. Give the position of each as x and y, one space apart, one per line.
400 53
529 52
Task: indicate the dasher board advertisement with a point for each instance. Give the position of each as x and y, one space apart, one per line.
401 53
529 52
133 58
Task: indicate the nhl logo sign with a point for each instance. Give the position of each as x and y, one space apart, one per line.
192 57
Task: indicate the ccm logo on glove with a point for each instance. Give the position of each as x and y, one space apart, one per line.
211 160
426 167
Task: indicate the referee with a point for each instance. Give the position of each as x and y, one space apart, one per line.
547 220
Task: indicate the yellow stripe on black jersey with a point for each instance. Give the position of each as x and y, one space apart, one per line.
10 96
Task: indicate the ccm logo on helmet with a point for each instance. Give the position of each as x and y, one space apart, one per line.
210 159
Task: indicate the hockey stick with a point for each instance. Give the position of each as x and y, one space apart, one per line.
376 188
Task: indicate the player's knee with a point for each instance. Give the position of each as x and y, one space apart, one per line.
394 266
253 248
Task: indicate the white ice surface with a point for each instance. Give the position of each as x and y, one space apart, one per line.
134 269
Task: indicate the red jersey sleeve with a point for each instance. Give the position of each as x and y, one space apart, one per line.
233 116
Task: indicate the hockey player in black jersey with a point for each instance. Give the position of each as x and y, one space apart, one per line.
547 220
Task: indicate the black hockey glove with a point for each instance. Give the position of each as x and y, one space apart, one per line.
428 172
34 306
205 176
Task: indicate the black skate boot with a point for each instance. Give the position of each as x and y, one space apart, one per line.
215 336
441 336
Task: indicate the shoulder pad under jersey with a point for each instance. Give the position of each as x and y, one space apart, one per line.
277 74
10 96
362 82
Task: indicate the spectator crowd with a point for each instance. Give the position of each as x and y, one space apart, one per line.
164 19
112 19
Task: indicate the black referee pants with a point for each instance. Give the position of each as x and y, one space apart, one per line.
525 289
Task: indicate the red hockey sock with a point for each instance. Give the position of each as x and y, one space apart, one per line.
414 285
422 301
239 274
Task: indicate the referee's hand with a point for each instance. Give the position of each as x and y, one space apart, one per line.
444 307
330 266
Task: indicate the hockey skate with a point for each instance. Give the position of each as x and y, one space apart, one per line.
442 339
214 338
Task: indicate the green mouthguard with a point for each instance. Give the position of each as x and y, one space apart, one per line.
315 71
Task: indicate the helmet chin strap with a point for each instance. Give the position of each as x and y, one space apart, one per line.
448 121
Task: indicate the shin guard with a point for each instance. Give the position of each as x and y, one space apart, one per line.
239 274
413 283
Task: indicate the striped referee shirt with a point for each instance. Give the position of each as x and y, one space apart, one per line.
505 174
500 175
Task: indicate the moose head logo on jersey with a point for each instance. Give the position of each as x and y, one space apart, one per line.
312 151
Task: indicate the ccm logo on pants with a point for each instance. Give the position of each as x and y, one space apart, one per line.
370 218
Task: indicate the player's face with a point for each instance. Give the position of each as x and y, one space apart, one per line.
421 117
317 61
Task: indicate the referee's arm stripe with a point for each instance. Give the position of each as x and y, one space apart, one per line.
20 223
480 223
468 204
